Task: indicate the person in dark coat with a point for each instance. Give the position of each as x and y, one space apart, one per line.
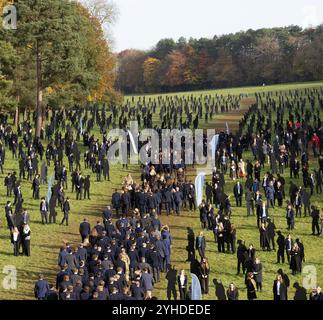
208 192
85 229
43 207
315 220
116 202
25 239
295 260
271 233
204 271
147 283
66 211
106 169
203 215
238 193
257 272
241 256
8 184
87 185
264 241
281 247
52 209
251 286
9 216
200 244
279 289
41 289
171 277
182 284
290 217
232 292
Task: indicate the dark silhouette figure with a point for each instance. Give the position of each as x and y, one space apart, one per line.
300 293
171 277
190 244
219 290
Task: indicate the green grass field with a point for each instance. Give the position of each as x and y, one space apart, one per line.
46 240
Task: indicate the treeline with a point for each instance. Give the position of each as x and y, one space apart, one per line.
253 57
57 57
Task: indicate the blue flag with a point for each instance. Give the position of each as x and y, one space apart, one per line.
214 144
196 288
199 184
49 189
81 125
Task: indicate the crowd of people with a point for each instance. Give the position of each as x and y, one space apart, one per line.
124 258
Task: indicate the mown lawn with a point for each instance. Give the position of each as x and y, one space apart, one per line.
47 239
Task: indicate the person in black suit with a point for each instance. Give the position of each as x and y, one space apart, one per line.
9 215
98 170
171 283
200 244
52 209
182 284
238 192
279 289
87 185
232 292
116 202
8 184
66 210
281 247
25 239
251 253
208 192
315 220
290 217
289 243
106 169
241 256
271 232
85 229
43 207
204 271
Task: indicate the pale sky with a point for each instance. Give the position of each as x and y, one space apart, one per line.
142 23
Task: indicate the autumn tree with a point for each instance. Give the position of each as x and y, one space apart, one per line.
150 69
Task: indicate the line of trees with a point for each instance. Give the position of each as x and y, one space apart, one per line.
251 57
57 57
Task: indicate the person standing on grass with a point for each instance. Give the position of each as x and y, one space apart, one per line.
66 211
204 271
238 192
290 217
232 292
200 244
16 241
203 215
251 287
8 184
281 247
9 216
43 207
315 220
85 229
257 271
26 240
41 289
279 289
295 261
87 185
182 284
